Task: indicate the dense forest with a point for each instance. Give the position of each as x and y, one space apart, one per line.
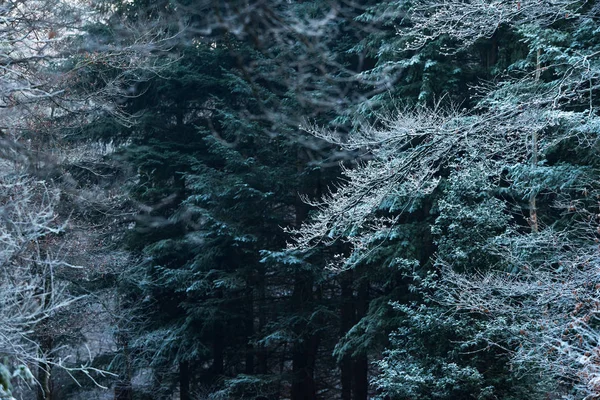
300 199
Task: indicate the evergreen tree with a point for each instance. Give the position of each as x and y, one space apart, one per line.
468 197
493 173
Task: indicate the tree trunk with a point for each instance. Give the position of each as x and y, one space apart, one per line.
46 344
44 388
347 317
184 380
303 385
262 322
304 351
44 368
123 391
249 306
533 215
361 362
123 388
361 377
305 348
492 52
218 348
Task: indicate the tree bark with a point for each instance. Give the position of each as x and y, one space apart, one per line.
361 362
123 391
218 349
249 322
262 322
533 215
492 52
306 345
304 350
46 344
361 377
347 317
184 380
44 388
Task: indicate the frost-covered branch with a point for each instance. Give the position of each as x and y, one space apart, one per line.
551 307
29 292
469 21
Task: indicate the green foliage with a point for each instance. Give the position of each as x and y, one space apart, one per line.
467 138
469 217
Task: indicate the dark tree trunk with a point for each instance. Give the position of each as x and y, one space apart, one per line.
123 391
304 351
304 386
262 355
44 388
347 316
346 377
184 380
249 306
361 362
123 388
218 348
46 344
262 322
361 377
492 52
489 52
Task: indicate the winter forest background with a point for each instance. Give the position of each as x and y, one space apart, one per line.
299 199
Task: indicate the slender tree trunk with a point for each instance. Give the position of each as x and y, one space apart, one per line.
249 306
184 380
306 345
46 344
123 388
533 215
262 322
218 349
303 353
361 377
123 391
304 359
538 65
346 377
44 388
361 362
492 52
347 317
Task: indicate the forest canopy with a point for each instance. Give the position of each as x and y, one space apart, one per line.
284 199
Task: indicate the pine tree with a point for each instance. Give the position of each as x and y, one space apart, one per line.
499 178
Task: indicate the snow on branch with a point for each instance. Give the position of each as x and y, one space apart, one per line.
469 21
